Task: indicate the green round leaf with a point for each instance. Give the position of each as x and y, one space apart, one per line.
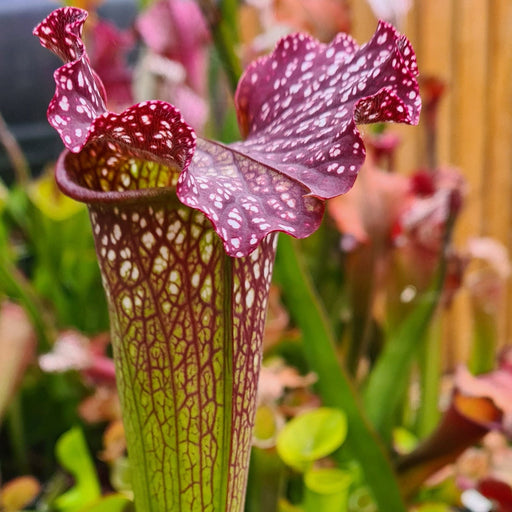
404 440
265 425
112 503
311 436
327 480
433 507
326 489
73 454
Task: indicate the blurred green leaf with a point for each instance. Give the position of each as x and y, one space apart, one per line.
311 436
48 198
390 376
113 503
3 196
265 481
433 507
326 490
285 506
73 455
57 255
65 269
404 441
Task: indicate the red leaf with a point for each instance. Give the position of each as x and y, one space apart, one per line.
153 130
246 200
298 106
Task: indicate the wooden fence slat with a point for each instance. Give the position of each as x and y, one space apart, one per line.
434 19
468 44
470 104
497 215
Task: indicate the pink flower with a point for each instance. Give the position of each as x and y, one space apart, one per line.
74 351
176 29
17 349
108 58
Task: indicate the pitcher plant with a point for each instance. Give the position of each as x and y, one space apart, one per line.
186 232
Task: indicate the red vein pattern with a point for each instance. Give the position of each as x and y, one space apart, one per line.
176 317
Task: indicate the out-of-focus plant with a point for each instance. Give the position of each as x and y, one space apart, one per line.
305 440
311 436
42 240
187 314
174 64
17 349
18 493
486 280
478 405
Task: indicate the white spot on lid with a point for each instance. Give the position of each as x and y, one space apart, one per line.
382 38
234 224
117 232
64 104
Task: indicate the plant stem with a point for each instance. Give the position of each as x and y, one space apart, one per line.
334 385
17 158
265 481
15 284
483 349
222 22
430 375
389 376
14 422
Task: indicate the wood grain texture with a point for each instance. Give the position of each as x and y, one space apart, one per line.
467 44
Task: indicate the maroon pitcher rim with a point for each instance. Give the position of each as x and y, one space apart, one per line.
66 180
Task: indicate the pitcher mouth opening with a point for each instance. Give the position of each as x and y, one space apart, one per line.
87 185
